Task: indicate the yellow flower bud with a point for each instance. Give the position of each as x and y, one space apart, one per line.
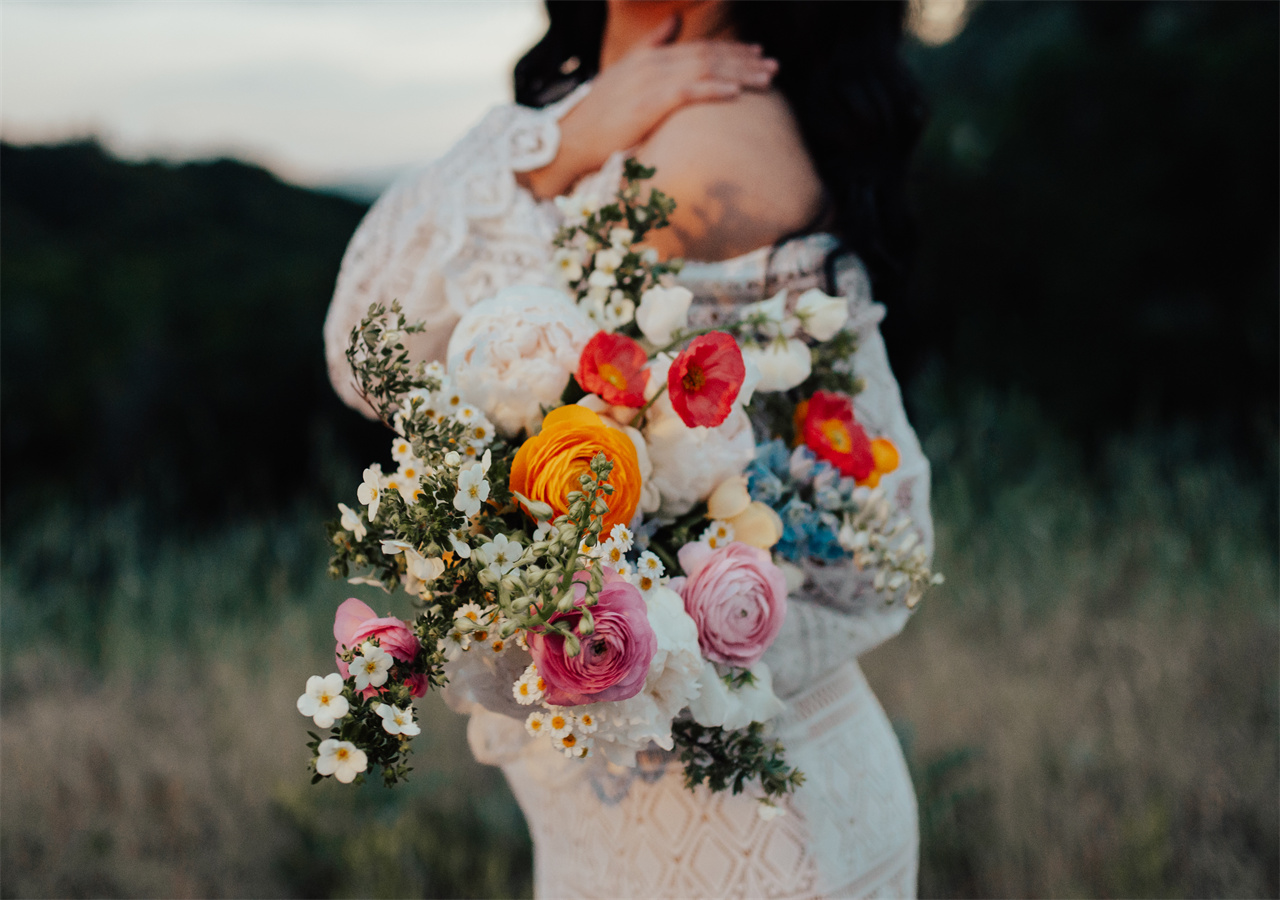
757 525
730 498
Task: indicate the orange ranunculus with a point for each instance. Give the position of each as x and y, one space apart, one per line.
548 465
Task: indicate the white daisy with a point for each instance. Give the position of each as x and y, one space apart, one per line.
401 449
536 724
473 490
559 723
718 534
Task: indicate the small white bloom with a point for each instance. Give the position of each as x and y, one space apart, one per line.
574 209
821 316
573 745
473 490
542 531
662 312
620 238
369 667
621 535
435 370
718 534
323 701
401 449
453 458
612 554
587 723
370 491
536 724
559 723
466 413
398 721
650 256
608 260
567 263
651 564
617 313
341 759
782 363
351 522
768 810
455 643
602 281
767 315
459 541
501 555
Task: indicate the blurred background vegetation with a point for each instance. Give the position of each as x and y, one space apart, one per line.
1089 354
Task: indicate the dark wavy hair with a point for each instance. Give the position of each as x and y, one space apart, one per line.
859 109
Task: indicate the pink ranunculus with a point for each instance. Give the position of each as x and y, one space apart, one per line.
356 622
737 597
614 660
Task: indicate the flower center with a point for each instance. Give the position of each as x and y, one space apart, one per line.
613 375
599 647
342 754
694 378
569 740
837 435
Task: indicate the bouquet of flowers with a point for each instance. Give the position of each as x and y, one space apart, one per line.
581 513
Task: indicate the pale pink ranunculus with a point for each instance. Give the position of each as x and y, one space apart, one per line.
356 622
614 660
736 596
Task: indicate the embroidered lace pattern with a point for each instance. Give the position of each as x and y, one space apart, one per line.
453 233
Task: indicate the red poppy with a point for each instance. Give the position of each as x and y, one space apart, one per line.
705 379
613 366
833 434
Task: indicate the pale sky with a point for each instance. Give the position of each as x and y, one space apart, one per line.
323 92
320 92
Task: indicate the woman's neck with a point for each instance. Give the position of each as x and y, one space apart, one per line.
630 20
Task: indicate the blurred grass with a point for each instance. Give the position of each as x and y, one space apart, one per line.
1089 704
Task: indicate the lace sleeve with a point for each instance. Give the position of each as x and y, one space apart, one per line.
449 234
838 615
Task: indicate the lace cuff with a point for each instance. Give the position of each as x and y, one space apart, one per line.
449 234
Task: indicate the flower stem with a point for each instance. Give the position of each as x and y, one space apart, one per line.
639 417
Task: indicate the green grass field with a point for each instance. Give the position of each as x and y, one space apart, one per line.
1089 704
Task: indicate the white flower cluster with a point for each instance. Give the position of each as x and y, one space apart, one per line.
782 358
480 626
603 300
570 732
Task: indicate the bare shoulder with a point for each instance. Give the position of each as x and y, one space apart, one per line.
740 175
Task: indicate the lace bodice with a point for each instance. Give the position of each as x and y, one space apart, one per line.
450 234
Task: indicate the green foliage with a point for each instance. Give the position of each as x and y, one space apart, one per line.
729 760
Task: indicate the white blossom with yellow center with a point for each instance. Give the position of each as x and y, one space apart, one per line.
323 701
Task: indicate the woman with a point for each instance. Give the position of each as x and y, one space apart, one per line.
783 131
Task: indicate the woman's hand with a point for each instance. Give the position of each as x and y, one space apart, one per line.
631 98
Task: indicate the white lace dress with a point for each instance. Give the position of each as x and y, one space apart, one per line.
451 234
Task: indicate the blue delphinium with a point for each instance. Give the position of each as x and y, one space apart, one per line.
807 493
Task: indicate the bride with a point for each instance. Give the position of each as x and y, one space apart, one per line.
783 131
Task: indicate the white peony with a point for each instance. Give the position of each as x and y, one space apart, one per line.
822 316
717 704
689 463
783 363
514 353
626 726
662 312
